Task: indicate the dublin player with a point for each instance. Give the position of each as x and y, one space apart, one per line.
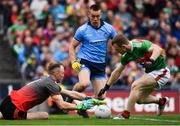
90 62
156 75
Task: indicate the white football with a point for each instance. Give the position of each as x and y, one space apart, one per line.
102 111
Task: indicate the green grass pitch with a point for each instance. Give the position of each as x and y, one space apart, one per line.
92 121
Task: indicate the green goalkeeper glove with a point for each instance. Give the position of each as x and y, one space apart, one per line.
86 104
89 103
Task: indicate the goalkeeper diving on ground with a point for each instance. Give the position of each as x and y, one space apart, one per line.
16 105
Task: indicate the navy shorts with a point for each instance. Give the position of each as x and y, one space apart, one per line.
97 70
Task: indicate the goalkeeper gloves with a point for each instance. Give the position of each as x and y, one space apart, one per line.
83 106
76 65
103 90
87 104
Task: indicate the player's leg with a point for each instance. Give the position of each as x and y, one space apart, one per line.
98 78
84 80
146 82
98 84
161 76
37 115
141 89
147 99
152 99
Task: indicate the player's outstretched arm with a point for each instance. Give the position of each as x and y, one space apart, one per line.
84 105
115 74
62 104
73 94
113 78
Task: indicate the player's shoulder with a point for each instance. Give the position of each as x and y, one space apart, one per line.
107 24
108 27
47 79
83 27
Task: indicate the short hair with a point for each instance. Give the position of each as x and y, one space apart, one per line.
95 7
120 40
52 66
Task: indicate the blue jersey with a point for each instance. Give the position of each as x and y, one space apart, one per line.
94 41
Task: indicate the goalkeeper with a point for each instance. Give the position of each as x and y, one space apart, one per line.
157 74
16 105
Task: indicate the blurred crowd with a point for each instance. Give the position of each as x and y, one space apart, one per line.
41 30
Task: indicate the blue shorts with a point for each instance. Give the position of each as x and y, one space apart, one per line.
97 70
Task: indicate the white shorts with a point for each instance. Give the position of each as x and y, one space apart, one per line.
161 76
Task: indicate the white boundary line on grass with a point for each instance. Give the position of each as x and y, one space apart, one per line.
157 120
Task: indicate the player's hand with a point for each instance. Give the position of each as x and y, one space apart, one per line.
148 63
103 90
86 104
76 65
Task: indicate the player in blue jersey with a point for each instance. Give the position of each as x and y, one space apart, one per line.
93 37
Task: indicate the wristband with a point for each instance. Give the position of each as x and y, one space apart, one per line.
106 87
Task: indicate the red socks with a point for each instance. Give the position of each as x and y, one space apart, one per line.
162 101
126 114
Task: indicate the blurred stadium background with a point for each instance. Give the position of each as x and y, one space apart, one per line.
32 32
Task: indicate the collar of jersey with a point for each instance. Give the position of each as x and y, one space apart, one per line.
52 79
101 24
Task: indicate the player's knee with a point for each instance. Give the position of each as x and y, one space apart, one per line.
141 100
134 86
84 84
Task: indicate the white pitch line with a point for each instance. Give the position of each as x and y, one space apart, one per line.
157 120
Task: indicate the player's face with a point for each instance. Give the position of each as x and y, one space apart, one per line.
60 74
95 17
119 49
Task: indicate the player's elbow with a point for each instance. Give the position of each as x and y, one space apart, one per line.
59 101
160 49
72 45
157 48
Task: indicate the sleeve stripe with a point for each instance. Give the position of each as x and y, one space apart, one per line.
76 39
